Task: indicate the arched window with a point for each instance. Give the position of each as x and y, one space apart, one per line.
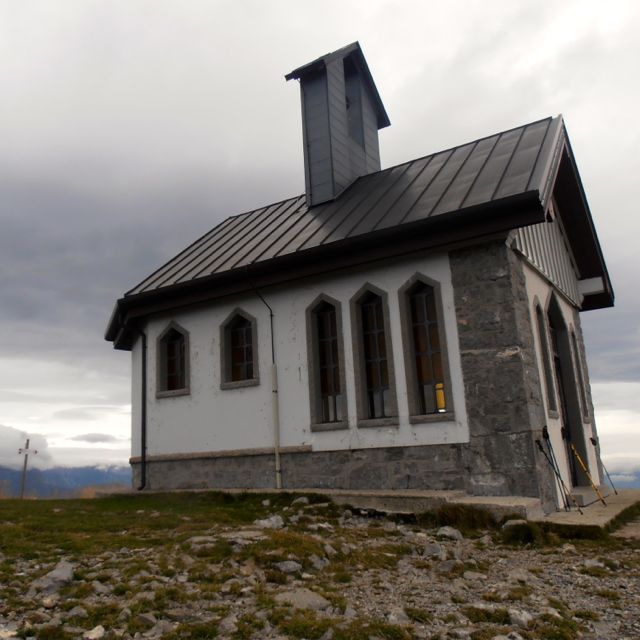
238 350
173 361
425 353
326 365
579 371
375 384
546 360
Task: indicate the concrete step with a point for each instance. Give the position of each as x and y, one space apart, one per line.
585 496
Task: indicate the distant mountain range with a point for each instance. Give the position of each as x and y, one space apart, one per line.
63 482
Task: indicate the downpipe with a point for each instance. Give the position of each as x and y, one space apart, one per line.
275 403
143 412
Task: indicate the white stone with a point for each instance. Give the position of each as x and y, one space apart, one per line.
95 634
288 566
450 533
397 615
228 624
520 618
435 550
53 581
302 599
274 522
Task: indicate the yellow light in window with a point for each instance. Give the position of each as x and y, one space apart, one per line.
440 400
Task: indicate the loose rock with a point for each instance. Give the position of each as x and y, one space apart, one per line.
303 599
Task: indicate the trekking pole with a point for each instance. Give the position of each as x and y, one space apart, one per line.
584 468
564 491
594 442
552 454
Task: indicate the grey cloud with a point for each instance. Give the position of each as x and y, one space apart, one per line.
11 440
95 437
85 414
143 147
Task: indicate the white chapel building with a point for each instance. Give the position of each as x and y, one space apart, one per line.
413 327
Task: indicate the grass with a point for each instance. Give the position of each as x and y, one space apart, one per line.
418 615
127 542
467 519
495 616
608 594
44 530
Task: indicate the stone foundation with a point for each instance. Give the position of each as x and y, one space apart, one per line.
437 467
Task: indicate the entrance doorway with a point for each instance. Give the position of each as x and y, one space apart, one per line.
568 395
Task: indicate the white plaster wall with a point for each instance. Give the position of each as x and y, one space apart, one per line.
211 419
540 290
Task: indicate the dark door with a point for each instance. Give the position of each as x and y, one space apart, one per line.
562 401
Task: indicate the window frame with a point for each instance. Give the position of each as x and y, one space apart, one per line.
580 374
359 364
161 363
411 376
226 381
548 374
313 358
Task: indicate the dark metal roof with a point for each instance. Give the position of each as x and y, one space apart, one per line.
479 172
488 186
354 51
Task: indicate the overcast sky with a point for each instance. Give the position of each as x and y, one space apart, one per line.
129 128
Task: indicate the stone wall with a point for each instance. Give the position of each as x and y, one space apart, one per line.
422 467
502 384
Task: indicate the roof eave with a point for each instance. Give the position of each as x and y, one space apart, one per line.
577 218
464 225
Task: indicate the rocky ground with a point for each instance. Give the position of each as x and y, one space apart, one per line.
318 571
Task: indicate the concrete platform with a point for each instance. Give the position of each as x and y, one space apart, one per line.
597 514
417 501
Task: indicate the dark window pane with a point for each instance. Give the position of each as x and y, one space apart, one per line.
417 309
420 338
434 337
371 369
374 355
240 336
438 374
327 371
428 394
172 361
431 306
384 375
426 347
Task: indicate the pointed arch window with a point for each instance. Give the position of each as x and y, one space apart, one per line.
326 365
375 384
579 371
546 360
173 361
425 353
238 341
